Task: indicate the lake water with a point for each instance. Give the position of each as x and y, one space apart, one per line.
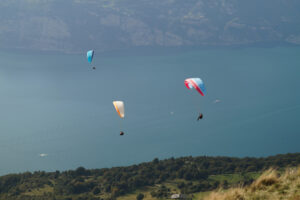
57 105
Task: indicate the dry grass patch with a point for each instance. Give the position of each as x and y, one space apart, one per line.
268 178
40 191
269 186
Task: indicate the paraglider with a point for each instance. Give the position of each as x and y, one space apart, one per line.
43 154
119 106
90 56
200 116
216 101
197 84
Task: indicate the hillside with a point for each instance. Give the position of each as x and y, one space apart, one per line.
158 179
271 185
77 25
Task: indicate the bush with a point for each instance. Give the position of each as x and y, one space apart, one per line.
140 196
96 190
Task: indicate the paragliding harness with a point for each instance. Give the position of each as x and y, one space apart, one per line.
200 117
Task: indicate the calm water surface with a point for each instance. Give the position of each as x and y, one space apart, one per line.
57 105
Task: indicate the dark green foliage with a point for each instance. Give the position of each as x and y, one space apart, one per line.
224 184
140 196
193 172
161 192
80 171
96 190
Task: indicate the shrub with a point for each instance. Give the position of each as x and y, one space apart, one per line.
140 196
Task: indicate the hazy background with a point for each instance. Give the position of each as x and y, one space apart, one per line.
77 25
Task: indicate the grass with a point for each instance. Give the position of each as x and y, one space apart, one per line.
39 191
200 195
271 185
232 179
132 196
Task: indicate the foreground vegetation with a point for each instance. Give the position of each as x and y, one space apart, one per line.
272 185
152 180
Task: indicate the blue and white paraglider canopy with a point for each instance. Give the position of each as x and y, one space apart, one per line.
196 83
90 55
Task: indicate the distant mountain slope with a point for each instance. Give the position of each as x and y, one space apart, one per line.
189 175
76 25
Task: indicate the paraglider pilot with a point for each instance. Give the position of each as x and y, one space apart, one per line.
200 116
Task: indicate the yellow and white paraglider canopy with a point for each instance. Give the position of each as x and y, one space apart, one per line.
119 106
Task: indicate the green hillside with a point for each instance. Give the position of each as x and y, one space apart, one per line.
194 176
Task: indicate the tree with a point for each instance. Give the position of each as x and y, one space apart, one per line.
80 171
96 190
224 184
140 196
155 161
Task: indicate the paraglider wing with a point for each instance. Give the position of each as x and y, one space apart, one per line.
196 83
119 106
90 55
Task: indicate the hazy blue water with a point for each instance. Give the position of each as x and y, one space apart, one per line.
55 104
